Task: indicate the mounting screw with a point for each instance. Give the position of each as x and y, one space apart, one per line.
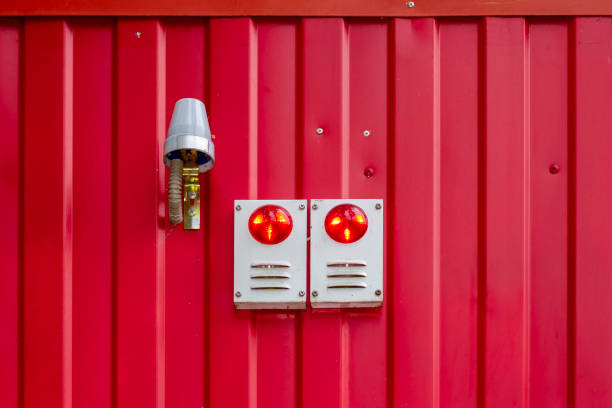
315 293
319 131
191 212
554 168
138 34
238 294
314 206
366 133
301 206
378 206
238 207
410 4
378 292
302 293
191 195
369 172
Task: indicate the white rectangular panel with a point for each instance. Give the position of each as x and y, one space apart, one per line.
346 275
270 276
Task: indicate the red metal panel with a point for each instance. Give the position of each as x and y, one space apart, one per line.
505 220
48 216
11 193
415 212
592 258
92 278
496 261
140 209
304 8
546 143
459 221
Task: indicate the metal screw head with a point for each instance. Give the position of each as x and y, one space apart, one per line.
238 207
378 292
302 293
378 206
191 195
301 206
554 168
410 4
369 172
319 131
138 34
191 212
314 206
366 133
315 293
238 294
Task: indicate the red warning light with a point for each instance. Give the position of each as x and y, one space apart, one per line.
346 223
270 224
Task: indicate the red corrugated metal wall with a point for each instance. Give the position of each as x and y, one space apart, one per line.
498 271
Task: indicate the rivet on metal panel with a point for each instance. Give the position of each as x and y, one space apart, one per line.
378 206
301 206
319 131
238 207
410 4
369 172
138 34
378 292
302 293
238 294
314 206
554 168
366 133
315 293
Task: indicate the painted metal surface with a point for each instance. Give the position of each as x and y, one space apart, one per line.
497 270
388 8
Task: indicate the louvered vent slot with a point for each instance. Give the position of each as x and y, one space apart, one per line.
347 285
271 287
346 274
356 274
271 265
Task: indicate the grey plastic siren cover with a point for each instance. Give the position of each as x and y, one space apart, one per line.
189 130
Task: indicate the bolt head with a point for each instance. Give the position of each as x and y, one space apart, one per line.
238 294
410 4
369 172
315 293
366 133
238 207
302 293
191 212
314 206
191 195
319 131
378 292
301 206
138 34
378 206
554 168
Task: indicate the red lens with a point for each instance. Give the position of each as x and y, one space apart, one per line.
270 224
346 223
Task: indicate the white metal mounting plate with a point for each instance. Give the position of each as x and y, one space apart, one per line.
346 275
270 276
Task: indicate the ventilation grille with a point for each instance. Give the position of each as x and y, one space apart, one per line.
270 276
347 274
